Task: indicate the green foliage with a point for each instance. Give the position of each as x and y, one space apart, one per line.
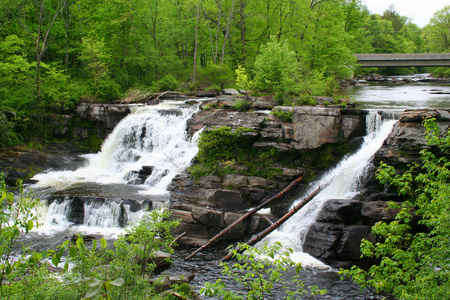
414 265
101 287
226 151
167 83
242 81
17 217
242 105
257 271
282 115
8 137
57 93
137 248
215 74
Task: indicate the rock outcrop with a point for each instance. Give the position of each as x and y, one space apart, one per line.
200 223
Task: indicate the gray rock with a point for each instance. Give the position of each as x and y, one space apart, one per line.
321 239
227 200
230 92
349 244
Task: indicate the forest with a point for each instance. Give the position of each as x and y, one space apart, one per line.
56 53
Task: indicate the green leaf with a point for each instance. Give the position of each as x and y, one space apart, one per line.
30 225
92 281
56 259
103 242
93 291
117 282
73 251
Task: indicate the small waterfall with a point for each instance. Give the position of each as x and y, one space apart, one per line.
148 148
342 182
138 160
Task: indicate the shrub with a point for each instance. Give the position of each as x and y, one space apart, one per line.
215 74
257 271
285 116
167 83
414 265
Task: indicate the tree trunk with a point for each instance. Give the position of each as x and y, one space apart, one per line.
277 224
196 46
248 214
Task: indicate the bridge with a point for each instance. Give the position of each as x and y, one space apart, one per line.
404 60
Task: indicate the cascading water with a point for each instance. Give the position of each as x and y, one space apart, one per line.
342 182
146 150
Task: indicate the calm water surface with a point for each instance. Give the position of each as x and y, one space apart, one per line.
400 96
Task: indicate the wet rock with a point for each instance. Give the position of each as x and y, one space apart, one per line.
210 182
165 282
321 239
226 199
208 217
378 211
340 211
109 114
350 241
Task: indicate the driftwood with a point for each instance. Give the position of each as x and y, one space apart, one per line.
277 224
248 214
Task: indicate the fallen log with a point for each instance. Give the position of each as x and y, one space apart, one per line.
248 214
275 225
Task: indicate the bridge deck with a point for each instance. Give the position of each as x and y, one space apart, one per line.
404 60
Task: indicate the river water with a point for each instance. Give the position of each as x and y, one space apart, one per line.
155 136
394 96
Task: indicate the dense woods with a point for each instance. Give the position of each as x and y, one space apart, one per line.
55 53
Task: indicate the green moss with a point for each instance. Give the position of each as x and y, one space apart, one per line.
225 151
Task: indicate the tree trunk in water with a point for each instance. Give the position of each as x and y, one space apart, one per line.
248 214
277 224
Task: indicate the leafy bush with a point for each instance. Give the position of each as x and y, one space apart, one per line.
242 81
285 116
215 88
414 265
215 74
242 105
257 271
167 83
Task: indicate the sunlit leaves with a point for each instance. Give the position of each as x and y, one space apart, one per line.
414 265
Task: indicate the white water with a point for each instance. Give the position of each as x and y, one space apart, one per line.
152 136
148 137
342 182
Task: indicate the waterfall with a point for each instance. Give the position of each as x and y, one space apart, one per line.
342 182
138 160
152 137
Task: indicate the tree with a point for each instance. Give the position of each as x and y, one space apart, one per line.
275 66
437 33
45 17
414 265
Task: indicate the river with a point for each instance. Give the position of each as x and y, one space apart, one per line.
394 96
169 148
